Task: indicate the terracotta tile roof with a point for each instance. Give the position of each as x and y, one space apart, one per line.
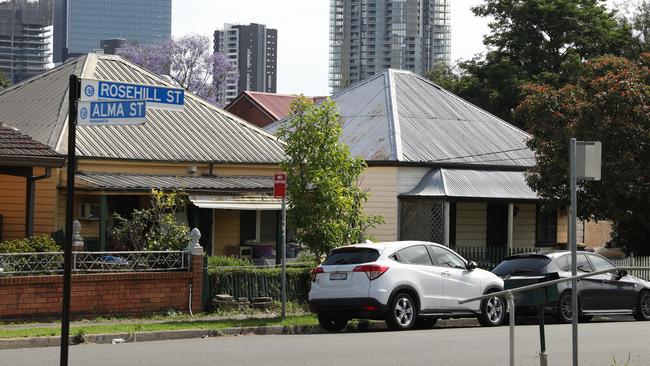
16 147
277 105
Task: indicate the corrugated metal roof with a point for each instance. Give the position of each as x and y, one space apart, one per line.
468 183
199 133
399 116
122 181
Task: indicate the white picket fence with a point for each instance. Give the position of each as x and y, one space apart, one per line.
633 261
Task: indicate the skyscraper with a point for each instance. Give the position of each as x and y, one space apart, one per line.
24 31
81 25
253 50
369 36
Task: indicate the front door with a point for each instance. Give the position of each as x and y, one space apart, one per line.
497 225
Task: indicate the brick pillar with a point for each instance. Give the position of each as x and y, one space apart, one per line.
196 267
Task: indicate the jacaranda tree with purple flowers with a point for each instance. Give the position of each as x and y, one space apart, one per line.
188 61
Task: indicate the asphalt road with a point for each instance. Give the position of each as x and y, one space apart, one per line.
600 343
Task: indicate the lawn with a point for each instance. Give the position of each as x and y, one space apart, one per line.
298 320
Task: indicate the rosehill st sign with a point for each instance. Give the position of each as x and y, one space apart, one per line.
156 96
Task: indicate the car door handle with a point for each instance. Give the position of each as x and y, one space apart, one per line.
446 274
605 281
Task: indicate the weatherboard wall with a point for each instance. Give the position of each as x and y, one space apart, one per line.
12 205
381 183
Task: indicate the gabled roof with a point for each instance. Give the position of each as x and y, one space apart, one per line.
17 149
275 106
200 133
400 117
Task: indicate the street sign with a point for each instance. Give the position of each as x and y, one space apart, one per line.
112 113
588 160
155 96
280 185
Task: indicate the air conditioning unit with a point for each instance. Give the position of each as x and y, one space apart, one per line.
89 211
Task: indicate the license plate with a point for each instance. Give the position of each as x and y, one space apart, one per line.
338 276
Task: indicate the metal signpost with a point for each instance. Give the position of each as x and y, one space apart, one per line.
584 163
280 191
101 103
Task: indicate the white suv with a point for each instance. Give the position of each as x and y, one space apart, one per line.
408 283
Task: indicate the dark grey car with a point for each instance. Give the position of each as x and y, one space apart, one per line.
605 294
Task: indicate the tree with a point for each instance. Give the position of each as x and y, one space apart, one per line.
188 61
4 81
325 200
541 41
608 103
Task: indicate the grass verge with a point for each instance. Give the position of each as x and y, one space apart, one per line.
299 320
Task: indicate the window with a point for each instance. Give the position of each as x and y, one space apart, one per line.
600 263
546 226
259 226
413 255
522 265
447 259
564 263
351 255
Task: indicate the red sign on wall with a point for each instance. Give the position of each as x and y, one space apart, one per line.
280 185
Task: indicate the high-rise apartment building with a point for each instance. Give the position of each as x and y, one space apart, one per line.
24 30
253 50
80 25
369 36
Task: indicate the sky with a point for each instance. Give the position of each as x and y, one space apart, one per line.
303 34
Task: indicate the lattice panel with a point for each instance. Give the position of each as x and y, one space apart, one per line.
422 220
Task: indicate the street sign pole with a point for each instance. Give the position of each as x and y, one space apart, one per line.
280 191
284 257
574 248
73 96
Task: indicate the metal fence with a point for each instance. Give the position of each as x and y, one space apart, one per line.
489 257
633 261
93 262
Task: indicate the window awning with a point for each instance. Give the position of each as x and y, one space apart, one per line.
473 184
237 202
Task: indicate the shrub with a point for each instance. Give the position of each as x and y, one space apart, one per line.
227 261
40 243
153 228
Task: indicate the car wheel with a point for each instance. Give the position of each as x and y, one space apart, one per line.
643 306
332 323
401 314
425 323
493 311
564 309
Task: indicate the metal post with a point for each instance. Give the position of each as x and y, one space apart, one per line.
543 356
69 207
573 246
29 207
284 257
511 310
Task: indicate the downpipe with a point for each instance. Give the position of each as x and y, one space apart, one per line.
189 305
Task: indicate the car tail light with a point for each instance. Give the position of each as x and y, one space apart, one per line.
372 270
314 272
369 308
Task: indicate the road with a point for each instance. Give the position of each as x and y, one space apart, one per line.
600 343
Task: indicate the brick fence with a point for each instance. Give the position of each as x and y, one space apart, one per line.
103 294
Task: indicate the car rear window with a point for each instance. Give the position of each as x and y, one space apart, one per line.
351 256
521 266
